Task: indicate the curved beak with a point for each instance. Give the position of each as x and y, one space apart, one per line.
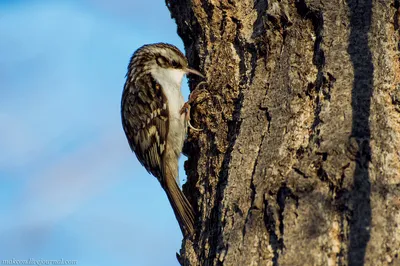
195 72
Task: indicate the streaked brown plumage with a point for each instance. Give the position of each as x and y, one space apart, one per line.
151 118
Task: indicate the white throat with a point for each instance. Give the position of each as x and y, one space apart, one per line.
168 77
171 80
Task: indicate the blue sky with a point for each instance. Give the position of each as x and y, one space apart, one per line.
70 187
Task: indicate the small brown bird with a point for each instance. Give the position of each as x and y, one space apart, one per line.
153 121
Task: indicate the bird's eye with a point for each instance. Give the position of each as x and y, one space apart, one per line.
160 61
174 64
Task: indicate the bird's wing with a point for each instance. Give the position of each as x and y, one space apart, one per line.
145 120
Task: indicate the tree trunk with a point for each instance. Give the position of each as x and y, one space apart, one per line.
299 159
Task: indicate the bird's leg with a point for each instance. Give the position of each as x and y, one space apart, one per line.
186 110
186 107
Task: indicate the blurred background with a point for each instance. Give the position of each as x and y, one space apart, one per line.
70 187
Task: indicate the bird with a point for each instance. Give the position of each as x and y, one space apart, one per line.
153 119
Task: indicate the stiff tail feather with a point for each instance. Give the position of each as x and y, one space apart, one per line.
183 210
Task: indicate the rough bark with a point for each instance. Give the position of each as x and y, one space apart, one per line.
299 159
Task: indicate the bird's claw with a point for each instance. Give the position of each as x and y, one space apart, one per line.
186 107
186 110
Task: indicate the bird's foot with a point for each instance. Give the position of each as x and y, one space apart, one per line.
186 107
186 110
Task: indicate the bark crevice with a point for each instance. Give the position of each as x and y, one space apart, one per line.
270 225
361 58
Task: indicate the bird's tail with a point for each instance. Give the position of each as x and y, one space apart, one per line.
183 210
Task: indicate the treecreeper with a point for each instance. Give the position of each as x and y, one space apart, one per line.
155 119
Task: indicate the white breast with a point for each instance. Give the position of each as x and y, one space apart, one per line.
170 81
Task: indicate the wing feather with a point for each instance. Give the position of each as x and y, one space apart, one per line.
145 122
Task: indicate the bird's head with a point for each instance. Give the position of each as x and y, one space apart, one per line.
163 61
